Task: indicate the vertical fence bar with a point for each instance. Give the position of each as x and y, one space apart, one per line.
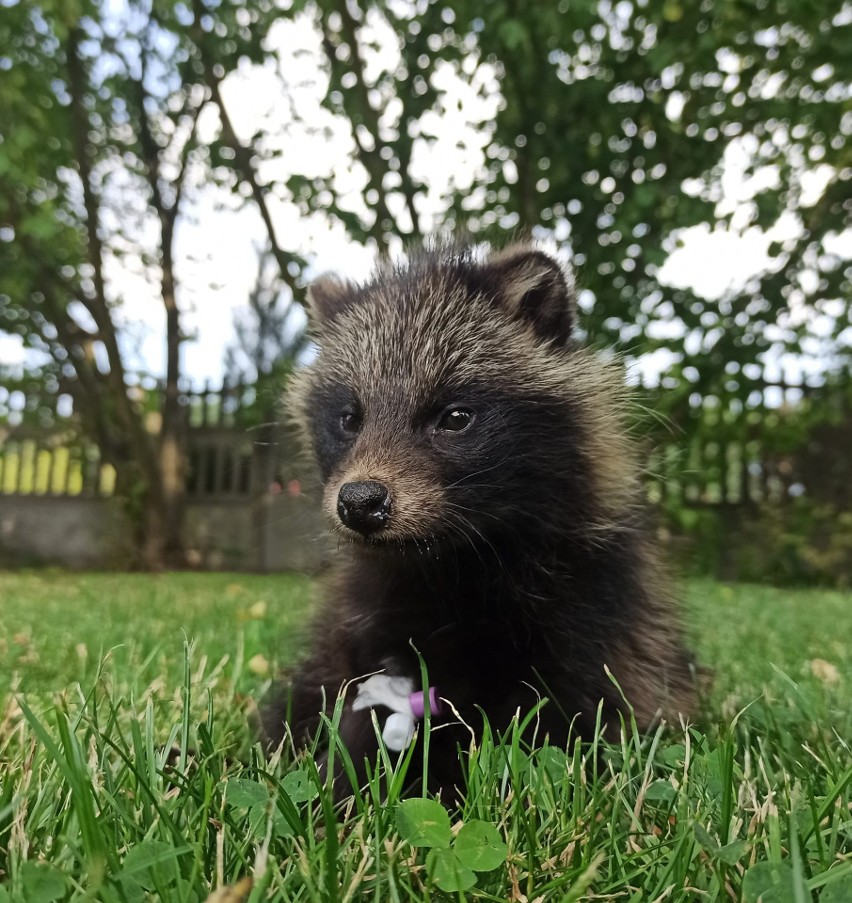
205 401
26 475
52 477
224 406
69 462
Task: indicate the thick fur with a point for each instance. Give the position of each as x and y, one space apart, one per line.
516 560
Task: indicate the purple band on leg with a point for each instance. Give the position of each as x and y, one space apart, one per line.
417 707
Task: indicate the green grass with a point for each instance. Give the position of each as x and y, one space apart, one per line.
57 628
128 773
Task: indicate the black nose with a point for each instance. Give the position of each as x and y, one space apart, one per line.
364 506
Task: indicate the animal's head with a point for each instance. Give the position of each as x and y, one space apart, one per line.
448 400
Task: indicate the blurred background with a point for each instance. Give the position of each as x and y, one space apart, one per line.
174 174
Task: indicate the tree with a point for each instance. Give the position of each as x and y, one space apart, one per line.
106 152
99 153
269 332
377 91
619 125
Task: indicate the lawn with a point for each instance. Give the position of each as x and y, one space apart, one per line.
128 772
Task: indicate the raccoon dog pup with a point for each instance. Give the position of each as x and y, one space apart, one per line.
488 502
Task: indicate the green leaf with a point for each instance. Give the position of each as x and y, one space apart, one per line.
42 883
837 891
244 793
554 763
185 893
703 836
447 871
731 853
4 895
152 863
423 823
259 815
132 892
769 882
479 846
674 755
660 791
299 786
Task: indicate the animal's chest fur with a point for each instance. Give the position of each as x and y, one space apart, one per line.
471 635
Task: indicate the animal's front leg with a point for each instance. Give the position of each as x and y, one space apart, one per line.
297 705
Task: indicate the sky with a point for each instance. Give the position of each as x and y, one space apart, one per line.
217 244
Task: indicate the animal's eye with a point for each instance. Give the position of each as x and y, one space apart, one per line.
350 423
455 420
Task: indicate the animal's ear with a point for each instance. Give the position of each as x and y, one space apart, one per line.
535 288
327 298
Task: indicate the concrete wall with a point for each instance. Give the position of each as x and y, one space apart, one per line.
72 531
274 532
292 533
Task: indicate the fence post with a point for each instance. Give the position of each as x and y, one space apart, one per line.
263 474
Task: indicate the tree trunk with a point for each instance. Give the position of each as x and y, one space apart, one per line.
138 445
172 435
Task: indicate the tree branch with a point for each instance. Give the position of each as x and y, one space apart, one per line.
356 66
98 305
72 346
242 157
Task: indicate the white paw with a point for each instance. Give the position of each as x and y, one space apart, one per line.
398 731
382 689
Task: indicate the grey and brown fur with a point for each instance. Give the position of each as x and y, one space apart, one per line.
514 555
